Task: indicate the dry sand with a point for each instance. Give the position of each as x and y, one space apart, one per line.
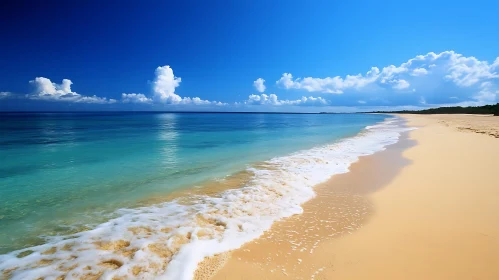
426 208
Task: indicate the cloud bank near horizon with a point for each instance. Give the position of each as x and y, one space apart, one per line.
447 75
446 79
273 100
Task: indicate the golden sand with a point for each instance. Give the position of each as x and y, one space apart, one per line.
424 211
483 124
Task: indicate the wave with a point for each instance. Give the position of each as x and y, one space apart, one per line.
168 240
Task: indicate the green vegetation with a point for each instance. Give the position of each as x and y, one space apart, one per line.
483 110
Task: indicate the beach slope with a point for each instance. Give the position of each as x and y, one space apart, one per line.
436 218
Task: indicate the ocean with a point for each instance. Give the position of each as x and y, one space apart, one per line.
149 195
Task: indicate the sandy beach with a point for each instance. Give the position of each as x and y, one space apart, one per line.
425 208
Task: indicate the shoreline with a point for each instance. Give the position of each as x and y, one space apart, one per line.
179 234
291 248
434 218
79 212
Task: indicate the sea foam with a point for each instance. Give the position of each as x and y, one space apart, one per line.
168 240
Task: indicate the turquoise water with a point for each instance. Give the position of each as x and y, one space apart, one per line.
61 172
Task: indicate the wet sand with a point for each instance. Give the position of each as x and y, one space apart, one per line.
426 208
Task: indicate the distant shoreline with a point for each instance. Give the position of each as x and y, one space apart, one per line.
478 110
474 110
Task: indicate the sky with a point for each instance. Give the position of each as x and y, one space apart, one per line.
289 56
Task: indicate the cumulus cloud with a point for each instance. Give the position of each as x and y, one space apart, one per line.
272 99
467 71
400 84
163 91
328 84
419 72
432 74
259 85
164 85
135 98
488 93
45 89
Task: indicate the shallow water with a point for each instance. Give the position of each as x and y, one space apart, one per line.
61 173
247 187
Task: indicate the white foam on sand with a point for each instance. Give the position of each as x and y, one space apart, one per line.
168 240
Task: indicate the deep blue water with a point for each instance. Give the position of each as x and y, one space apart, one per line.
62 171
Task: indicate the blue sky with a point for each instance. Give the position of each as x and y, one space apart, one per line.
193 55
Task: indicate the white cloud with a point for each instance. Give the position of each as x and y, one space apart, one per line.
286 81
5 94
400 84
163 91
446 73
463 71
47 90
45 87
389 73
487 96
164 85
259 85
467 71
96 100
199 101
419 72
488 93
361 102
495 64
263 99
272 99
328 84
135 98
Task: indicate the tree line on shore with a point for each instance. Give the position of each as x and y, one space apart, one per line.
482 110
